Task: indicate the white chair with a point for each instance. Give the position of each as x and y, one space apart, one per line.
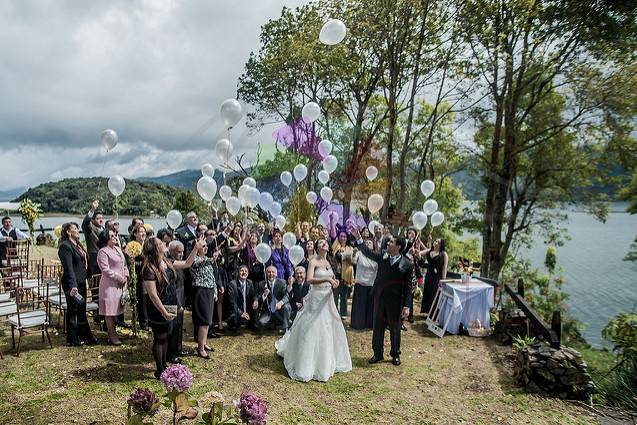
28 318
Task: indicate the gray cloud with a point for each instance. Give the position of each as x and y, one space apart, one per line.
153 70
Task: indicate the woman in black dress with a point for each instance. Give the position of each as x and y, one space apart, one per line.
74 261
436 264
159 283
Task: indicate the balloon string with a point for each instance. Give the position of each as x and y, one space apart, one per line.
99 177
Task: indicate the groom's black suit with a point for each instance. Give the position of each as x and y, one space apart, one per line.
391 292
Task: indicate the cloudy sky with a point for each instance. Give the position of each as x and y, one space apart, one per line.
156 71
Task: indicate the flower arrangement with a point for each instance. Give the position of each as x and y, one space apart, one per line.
142 403
148 227
177 380
30 212
132 250
58 231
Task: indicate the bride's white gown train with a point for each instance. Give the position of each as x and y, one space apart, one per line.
316 347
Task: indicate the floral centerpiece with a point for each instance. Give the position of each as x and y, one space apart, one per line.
30 212
133 250
177 380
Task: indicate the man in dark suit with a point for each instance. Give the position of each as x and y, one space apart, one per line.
187 235
92 226
175 346
243 301
391 293
274 302
300 288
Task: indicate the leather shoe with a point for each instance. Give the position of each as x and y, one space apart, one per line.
212 334
374 359
175 360
403 327
395 361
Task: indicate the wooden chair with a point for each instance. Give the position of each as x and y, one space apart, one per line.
28 317
8 284
18 255
92 304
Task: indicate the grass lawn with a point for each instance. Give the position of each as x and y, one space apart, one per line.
441 381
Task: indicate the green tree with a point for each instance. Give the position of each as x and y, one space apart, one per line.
187 201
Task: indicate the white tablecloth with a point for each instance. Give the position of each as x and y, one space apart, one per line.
468 302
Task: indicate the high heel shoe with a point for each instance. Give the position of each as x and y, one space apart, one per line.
207 348
206 356
116 342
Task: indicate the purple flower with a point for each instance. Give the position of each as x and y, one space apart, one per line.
143 400
253 409
176 378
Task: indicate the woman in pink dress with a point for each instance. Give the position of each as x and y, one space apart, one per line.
114 277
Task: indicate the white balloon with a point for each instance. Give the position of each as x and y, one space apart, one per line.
325 148
375 203
427 188
109 139
224 149
208 170
326 194
437 218
173 218
430 206
252 197
296 254
265 201
233 205
323 176
311 111
231 112
419 219
330 163
300 172
275 209
243 190
286 178
289 240
263 252
372 225
225 192
311 197
371 172
249 181
116 185
280 221
207 188
333 32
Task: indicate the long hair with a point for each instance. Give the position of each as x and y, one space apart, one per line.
153 258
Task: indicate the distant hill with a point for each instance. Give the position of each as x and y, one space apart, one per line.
74 196
7 195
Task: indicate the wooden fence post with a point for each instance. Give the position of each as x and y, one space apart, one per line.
556 326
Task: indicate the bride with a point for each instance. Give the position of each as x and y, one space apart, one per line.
316 347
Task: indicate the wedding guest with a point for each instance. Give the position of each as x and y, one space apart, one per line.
437 261
315 234
243 301
342 253
92 226
75 267
235 243
362 300
300 288
204 297
115 275
138 235
309 254
279 259
256 273
159 283
136 221
274 303
9 233
187 235
261 233
175 339
165 235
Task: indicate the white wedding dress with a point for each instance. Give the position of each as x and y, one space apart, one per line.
316 347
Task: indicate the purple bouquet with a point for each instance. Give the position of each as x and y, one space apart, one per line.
176 378
144 401
253 410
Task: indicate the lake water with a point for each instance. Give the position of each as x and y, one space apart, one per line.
599 282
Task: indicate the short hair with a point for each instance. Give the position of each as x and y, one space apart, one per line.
299 267
191 214
164 232
6 217
174 245
96 213
399 240
243 266
277 230
272 267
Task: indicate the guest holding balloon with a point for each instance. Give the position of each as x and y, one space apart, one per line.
204 297
280 259
436 263
159 284
74 260
362 300
256 272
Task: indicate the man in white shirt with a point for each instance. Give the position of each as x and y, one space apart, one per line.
9 233
243 301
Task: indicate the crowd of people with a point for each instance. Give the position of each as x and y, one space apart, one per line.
212 270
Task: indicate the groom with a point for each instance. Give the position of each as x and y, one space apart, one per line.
391 292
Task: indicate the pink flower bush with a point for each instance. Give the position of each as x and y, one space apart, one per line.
253 409
176 378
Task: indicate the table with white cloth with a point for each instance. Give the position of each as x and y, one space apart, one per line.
466 302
